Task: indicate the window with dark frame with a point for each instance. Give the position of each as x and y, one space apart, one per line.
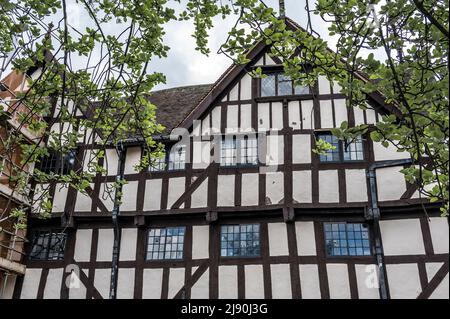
240 240
279 84
55 163
345 151
347 239
166 243
48 245
239 150
173 158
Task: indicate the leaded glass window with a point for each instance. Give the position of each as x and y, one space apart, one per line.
158 164
347 239
345 151
48 245
330 155
268 85
57 163
284 85
240 240
165 243
353 150
279 84
249 150
239 150
177 157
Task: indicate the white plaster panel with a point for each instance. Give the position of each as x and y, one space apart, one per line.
359 115
402 237
83 202
309 281
232 119
78 290
176 189
337 89
281 281
390 183
201 154
30 283
105 244
129 196
340 111
275 187
234 93
227 282
215 120
294 115
246 87
441 291
152 198
371 116
326 114
367 281
152 283
225 190
439 234
125 283
200 290
200 195
107 194
102 281
275 149
269 60
278 245
263 116
306 240
382 153
324 85
200 242
254 282
176 281
133 157
196 128
111 161
128 242
9 285
59 199
52 288
83 245
301 148
356 185
277 115
307 114
404 282
250 193
328 186
246 118
432 269
338 281
301 186
206 129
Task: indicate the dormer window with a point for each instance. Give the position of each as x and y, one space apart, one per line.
279 84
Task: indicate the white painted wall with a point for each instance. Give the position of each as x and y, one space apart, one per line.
382 153
105 243
78 292
281 281
324 85
128 242
404 282
125 283
366 278
102 282
225 190
302 188
30 283
402 237
129 196
263 116
246 87
307 114
338 282
152 283
277 115
340 111
254 282
356 184
228 282
306 240
132 158
200 290
328 186
278 244
246 118
200 242
52 288
301 148
215 120
250 187
176 281
326 114
232 119
201 154
111 161
83 245
294 115
390 183
275 150
275 187
309 281
199 197
439 234
176 189
59 199
152 198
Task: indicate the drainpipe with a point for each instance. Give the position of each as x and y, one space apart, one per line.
115 214
373 214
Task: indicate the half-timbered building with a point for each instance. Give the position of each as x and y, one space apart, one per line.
241 207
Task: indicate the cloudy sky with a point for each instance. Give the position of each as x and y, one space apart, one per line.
186 66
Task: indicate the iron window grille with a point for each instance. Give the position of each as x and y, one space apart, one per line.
279 84
239 150
240 240
48 245
347 239
345 151
57 163
165 243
